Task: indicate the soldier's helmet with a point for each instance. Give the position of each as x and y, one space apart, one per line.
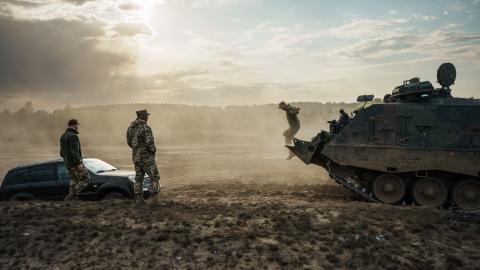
282 105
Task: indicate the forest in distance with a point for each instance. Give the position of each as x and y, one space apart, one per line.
171 123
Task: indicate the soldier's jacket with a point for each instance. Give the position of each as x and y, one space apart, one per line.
140 139
292 117
70 148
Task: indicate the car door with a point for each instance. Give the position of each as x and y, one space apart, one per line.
42 181
63 180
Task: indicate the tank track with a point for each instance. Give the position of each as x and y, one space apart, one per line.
354 187
357 189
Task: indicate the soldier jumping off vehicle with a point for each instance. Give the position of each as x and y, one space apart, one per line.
140 139
293 122
71 152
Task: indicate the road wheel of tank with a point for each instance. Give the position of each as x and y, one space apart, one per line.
431 192
389 188
466 194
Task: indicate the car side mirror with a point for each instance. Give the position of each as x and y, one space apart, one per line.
365 98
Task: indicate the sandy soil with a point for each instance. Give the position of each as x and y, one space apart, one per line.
232 207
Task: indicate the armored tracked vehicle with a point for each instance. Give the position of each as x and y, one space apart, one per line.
420 146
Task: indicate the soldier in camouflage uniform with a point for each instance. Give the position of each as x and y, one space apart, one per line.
140 139
293 122
71 152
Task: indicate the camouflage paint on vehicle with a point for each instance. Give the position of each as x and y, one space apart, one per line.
417 133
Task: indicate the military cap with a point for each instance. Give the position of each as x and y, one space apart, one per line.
142 113
72 122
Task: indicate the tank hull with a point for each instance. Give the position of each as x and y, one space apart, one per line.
400 160
406 137
409 153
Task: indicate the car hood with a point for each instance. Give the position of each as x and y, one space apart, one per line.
124 173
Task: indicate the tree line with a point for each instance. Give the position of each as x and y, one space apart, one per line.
171 123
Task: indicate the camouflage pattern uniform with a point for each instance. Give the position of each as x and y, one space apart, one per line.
293 122
71 152
140 139
79 180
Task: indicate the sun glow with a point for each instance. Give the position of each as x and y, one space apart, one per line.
145 10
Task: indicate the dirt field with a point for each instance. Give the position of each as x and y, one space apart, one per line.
223 206
189 164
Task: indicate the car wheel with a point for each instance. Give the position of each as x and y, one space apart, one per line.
22 197
115 195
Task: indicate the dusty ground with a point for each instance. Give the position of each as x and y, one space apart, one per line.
231 207
189 164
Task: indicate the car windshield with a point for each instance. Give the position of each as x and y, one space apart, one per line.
98 166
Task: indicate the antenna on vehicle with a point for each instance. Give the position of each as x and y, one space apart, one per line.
365 99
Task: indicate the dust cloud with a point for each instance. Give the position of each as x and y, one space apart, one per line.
195 143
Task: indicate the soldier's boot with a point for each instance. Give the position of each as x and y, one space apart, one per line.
70 197
154 198
139 199
290 155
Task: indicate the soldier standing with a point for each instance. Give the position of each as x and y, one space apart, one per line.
71 152
293 122
140 139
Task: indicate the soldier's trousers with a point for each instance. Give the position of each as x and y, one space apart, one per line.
79 180
290 133
151 170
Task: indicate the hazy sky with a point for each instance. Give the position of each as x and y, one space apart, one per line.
220 52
